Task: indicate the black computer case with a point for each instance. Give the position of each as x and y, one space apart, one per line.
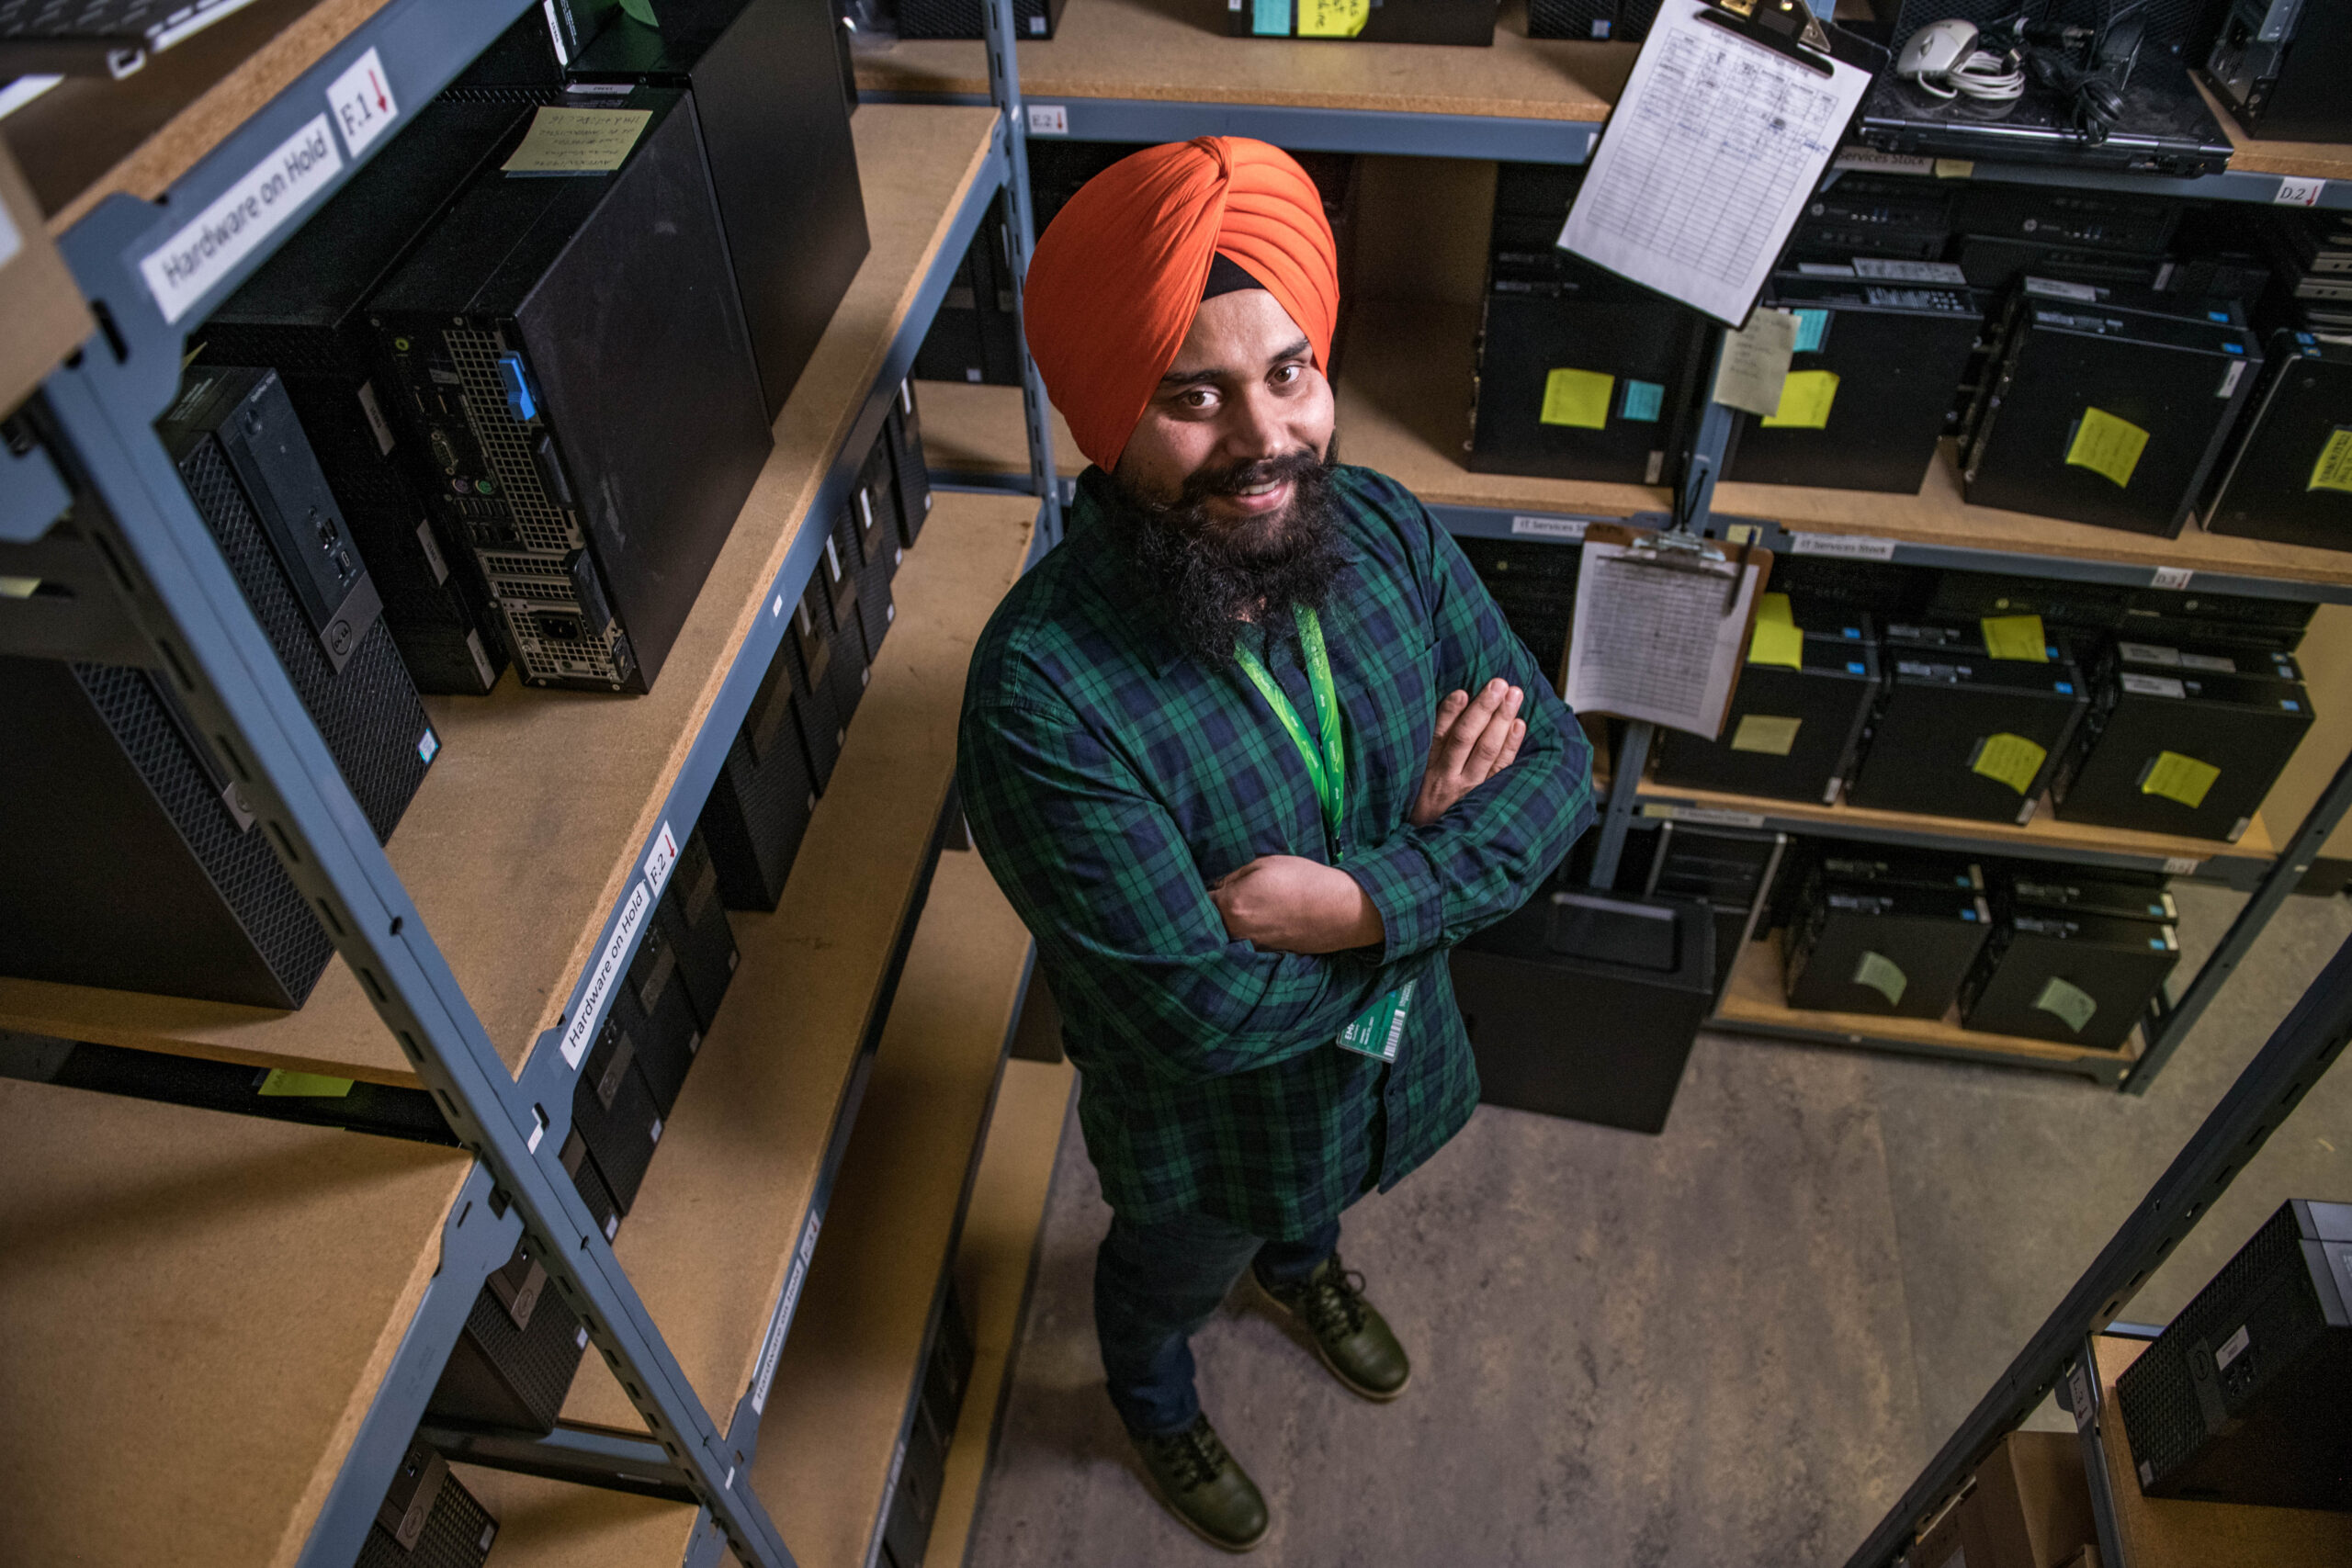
654 1010
2288 475
304 314
961 18
614 1110
571 360
2280 67
1729 869
1584 1004
2071 976
1611 21
698 919
828 662
1789 734
514 1362
1896 338
1957 733
2246 1397
1533 583
913 1503
775 133
1886 216
1393 21
760 805
428 1519
903 429
1884 948
2108 406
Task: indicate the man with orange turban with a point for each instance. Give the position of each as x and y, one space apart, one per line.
1248 752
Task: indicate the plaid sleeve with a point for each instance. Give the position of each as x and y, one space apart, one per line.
1098 871
1436 884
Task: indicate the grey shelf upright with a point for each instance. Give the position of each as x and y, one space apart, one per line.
100 453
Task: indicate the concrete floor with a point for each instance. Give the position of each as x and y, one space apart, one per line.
1733 1344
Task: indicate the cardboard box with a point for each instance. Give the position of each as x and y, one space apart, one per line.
45 319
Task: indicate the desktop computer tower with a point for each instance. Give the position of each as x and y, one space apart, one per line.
1470 22
2068 976
961 18
2289 477
877 505
869 580
1881 947
147 872
761 805
828 662
428 1519
698 920
240 452
304 314
514 1362
776 134
570 358
2174 747
1957 733
2278 66
653 1010
1789 734
613 1110
1584 1004
2108 406
915 1494
2246 1397
903 429
1727 869
1613 21
1870 385
835 585
1534 585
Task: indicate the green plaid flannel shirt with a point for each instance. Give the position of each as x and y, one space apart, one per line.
1109 779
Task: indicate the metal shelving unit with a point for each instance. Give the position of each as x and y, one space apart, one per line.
95 416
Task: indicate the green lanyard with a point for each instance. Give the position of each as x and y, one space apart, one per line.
1330 770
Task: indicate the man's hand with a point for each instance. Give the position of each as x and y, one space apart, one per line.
1476 739
1290 903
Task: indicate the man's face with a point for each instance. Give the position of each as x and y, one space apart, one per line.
1243 394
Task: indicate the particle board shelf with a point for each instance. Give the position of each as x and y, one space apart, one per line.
1178 51
2046 837
995 1267
1753 1001
527 832
2253 155
975 431
717 1225
828 1446
1406 387
554 1524
2159 1532
196 1325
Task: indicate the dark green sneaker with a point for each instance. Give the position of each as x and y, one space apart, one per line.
1349 1333
1205 1486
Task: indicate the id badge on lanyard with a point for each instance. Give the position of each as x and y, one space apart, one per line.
1381 1028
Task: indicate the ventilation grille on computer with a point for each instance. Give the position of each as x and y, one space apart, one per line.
239 862
2158 1401
367 712
539 1361
456 1534
961 18
538 523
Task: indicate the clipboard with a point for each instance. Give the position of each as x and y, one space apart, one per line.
1732 114
1662 623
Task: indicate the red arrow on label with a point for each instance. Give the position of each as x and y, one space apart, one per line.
382 102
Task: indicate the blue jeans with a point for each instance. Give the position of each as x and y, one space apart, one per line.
1155 1286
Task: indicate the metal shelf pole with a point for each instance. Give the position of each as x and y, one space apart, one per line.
1021 234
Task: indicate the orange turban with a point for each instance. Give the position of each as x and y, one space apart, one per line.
1118 275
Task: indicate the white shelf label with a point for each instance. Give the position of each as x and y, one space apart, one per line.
583 1027
2181 865
361 102
2170 577
2294 192
665 856
1049 119
184 268
1702 816
1549 528
775 1346
1848 546
1875 162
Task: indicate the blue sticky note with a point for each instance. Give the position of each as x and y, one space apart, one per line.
1642 400
1270 17
1812 329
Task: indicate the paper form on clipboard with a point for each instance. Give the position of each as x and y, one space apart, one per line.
1714 150
1662 627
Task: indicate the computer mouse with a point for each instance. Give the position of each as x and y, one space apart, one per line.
1934 49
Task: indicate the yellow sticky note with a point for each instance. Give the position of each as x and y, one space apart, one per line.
2108 447
1764 733
1882 975
2068 1003
2334 469
2175 777
1579 398
305 1085
1776 642
2015 637
1805 398
1955 168
577 142
1333 18
2008 759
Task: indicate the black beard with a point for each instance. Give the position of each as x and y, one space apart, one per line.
1212 579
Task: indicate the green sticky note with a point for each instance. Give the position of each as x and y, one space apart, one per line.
1763 732
2334 469
304 1086
2011 759
1805 398
2015 637
2070 1005
1882 975
639 11
2175 777
1333 18
1578 398
1777 640
2106 445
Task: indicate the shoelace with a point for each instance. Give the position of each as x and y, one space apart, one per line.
1333 1305
1196 1457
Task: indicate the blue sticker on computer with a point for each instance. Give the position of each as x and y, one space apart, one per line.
1270 17
1643 401
1812 330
